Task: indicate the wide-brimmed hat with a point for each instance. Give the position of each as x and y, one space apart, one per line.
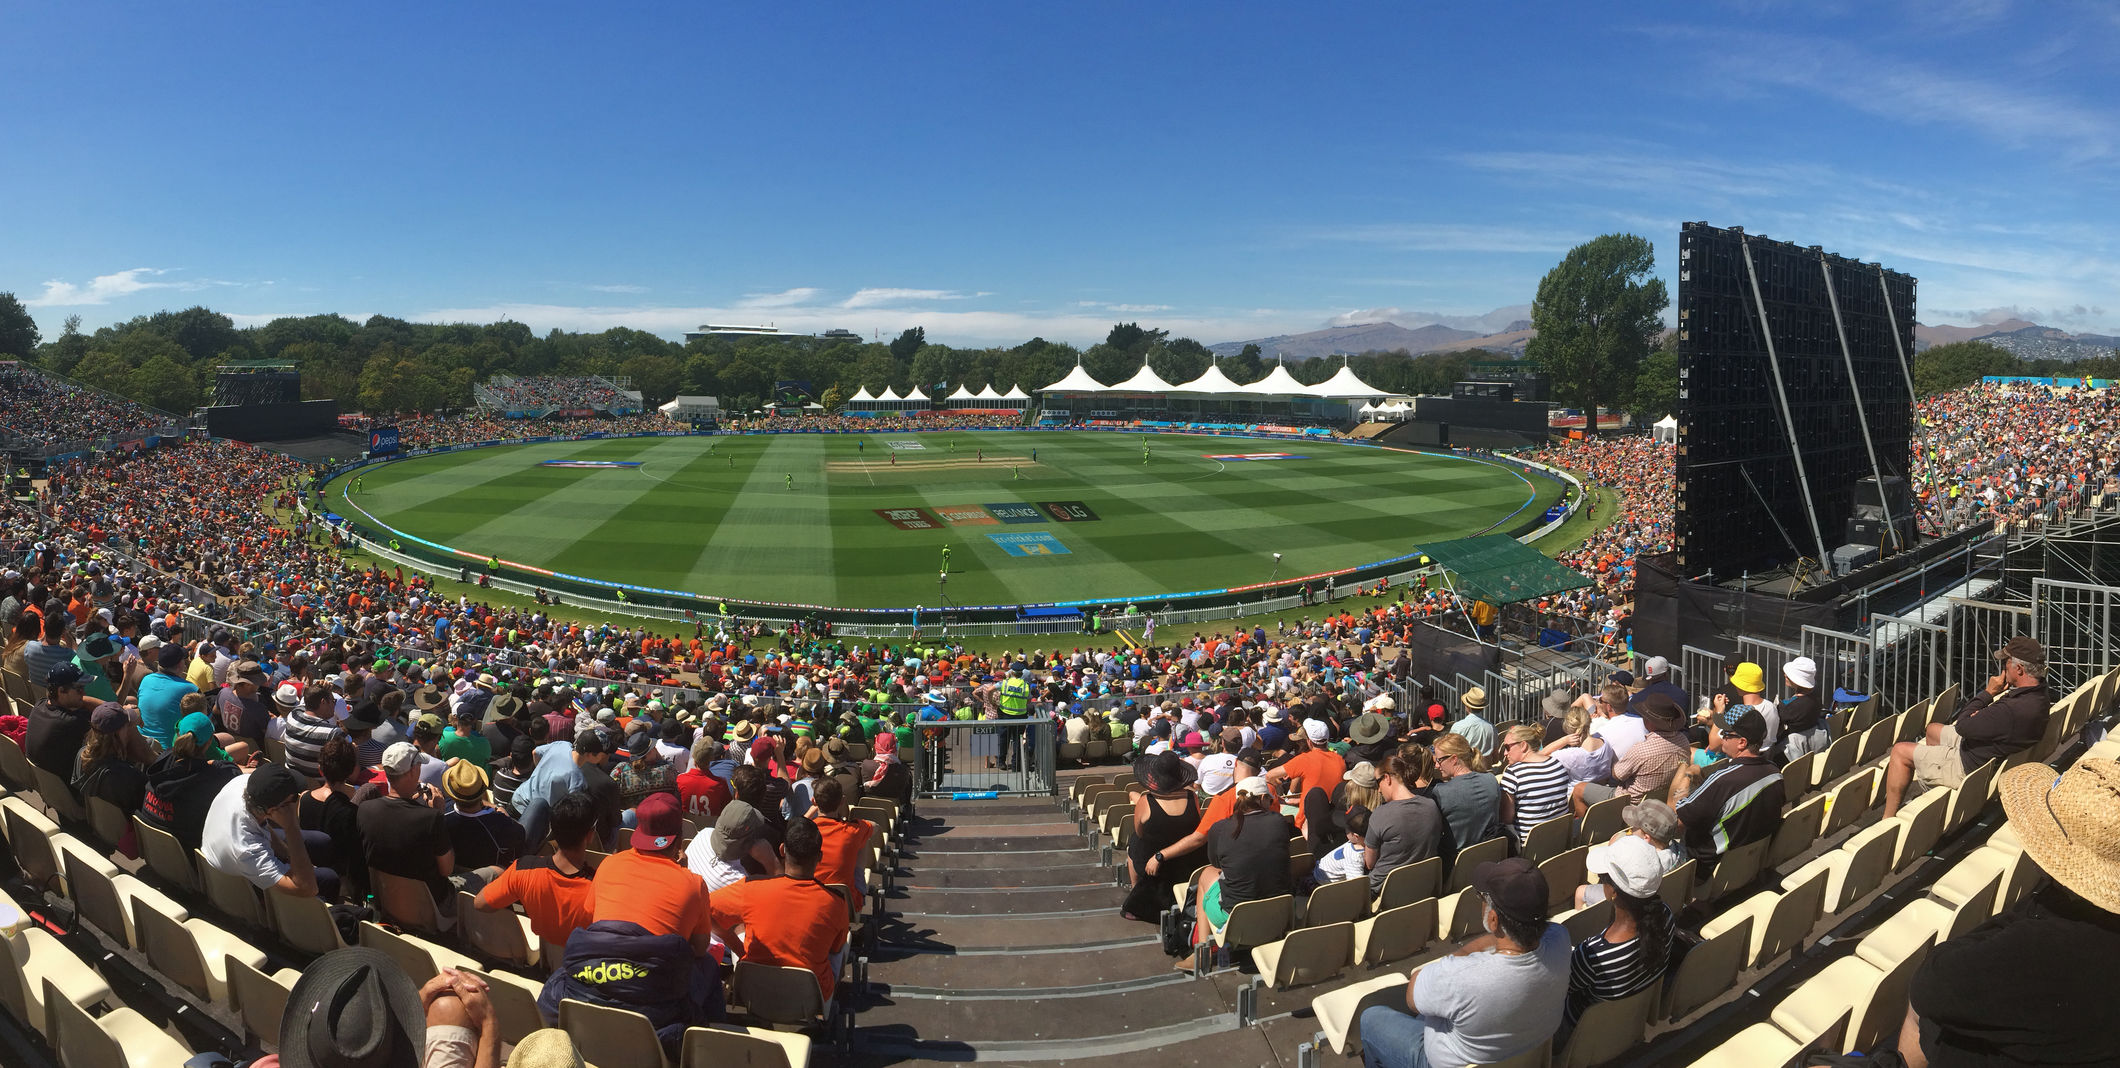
353 1008
1475 699
2070 824
429 697
547 1047
1749 678
1659 713
464 781
1369 728
1363 775
1555 704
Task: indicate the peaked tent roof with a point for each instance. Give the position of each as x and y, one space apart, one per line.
1279 383
963 392
1345 385
1214 381
861 394
888 394
987 393
914 394
1143 381
1015 393
1077 381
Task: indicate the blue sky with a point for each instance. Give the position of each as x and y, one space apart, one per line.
998 171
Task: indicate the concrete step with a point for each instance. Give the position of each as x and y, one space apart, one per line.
934 973
1029 935
1032 1017
1086 872
1000 901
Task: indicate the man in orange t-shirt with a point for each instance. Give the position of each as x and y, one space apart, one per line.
558 893
846 841
646 885
1316 767
789 920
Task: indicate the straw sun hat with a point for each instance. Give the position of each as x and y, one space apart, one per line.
2070 825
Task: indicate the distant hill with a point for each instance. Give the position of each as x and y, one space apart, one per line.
1384 337
2020 338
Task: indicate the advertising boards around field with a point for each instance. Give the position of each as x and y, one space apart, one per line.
1068 511
902 444
592 464
1030 543
1235 457
961 515
908 518
1013 512
382 441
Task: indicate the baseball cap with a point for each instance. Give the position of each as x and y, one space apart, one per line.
1657 667
109 717
149 643
1747 724
67 675
737 825
429 725
1218 771
1255 786
2022 648
1631 863
171 657
270 786
400 758
1315 730
657 824
1513 887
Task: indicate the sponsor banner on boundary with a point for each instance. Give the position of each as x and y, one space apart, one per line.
1031 543
960 515
1016 512
591 464
1068 511
902 445
908 518
1240 456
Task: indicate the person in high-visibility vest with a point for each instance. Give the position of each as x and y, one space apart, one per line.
1014 696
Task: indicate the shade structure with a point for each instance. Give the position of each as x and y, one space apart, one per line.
1143 381
1212 383
963 392
1345 385
1278 383
987 393
861 394
889 394
1016 393
916 396
1077 381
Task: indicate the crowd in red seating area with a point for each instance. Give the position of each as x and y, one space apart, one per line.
1639 475
44 412
2014 453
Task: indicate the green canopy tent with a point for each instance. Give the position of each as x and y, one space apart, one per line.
1500 570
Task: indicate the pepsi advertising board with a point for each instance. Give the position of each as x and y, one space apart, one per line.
383 441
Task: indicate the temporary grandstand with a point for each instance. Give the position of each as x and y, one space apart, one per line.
570 397
1212 397
961 401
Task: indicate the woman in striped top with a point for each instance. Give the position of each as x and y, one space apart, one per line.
1633 950
1534 786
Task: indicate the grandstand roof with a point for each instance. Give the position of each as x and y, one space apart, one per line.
914 394
861 394
1279 383
1143 381
1015 393
988 393
1077 381
963 392
889 394
1345 385
1499 569
1214 381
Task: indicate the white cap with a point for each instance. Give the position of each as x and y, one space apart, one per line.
1254 786
1315 730
1631 863
1656 667
400 758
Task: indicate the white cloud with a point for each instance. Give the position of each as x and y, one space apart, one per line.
103 289
786 298
1131 308
1445 237
618 287
879 297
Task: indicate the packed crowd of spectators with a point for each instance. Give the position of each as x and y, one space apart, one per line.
2014 454
44 412
536 392
1637 477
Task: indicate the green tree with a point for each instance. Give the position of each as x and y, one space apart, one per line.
1597 314
656 376
1941 368
18 330
906 344
104 369
1656 385
1134 339
1248 365
63 352
834 398
164 383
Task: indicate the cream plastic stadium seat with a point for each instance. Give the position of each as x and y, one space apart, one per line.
193 953
260 999
304 923
514 1001
1855 869
790 997
232 894
1395 934
1735 871
1459 916
1850 800
1839 758
34 963
1761 1045
166 857
119 1039
1539 1056
1339 1013
1921 825
1472 857
1678 885
1604 820
1878 740
1308 955
504 936
58 796
1709 970
29 835
1564 872
1608 1029
736 1046
1582 923
109 824
15 766
1872 1002
1255 923
1800 777
1945 706
1548 839
1970 797
1342 902
1408 883
1779 921
1798 831
407 903
419 958
1981 870
611 1038
107 897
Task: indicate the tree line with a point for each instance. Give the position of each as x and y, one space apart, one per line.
168 359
